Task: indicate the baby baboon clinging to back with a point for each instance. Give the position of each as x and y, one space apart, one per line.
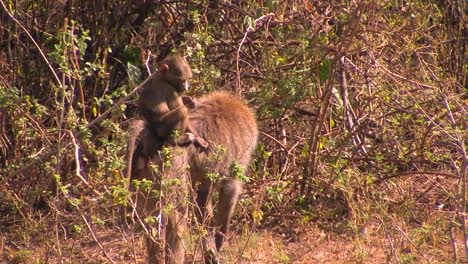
161 104
230 127
163 111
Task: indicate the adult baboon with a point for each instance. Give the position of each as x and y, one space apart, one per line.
231 130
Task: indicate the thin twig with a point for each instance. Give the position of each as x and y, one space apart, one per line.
356 68
453 244
238 84
412 243
395 75
117 105
57 236
35 44
147 63
277 141
249 30
347 109
96 239
390 242
77 159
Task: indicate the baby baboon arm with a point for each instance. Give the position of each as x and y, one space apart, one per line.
176 119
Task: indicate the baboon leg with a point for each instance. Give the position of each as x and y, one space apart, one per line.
155 238
176 226
204 214
144 205
167 246
229 192
175 211
155 253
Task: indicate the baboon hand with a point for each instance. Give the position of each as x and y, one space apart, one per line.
189 102
186 138
189 137
201 143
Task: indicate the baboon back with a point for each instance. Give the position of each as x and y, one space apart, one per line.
230 128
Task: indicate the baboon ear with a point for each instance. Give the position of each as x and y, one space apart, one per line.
164 67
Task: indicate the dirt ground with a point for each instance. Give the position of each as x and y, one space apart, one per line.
306 243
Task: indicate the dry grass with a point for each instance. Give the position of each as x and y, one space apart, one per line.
409 228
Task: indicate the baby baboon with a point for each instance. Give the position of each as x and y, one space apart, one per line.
163 111
161 105
230 127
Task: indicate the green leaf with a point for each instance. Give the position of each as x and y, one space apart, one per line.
132 54
250 22
325 70
332 123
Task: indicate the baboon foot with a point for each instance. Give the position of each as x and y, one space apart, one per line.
211 257
219 238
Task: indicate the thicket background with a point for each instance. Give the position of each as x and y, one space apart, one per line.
362 107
